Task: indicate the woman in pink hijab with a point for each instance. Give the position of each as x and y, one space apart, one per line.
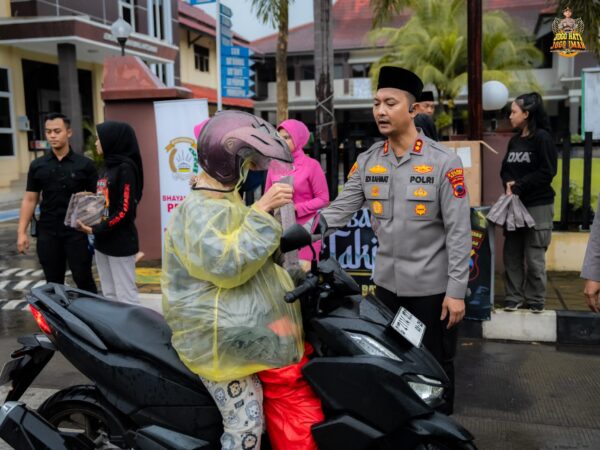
310 187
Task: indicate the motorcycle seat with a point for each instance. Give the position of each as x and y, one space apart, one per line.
130 329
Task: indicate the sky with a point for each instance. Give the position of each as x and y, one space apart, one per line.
245 22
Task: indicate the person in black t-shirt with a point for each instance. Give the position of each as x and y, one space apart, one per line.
527 171
56 176
116 237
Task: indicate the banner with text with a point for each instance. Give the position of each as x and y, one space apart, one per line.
177 157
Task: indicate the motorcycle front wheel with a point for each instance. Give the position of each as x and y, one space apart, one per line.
81 409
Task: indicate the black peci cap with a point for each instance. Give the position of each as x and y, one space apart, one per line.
426 96
399 78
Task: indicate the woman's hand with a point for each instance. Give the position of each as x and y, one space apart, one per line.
278 195
83 227
509 186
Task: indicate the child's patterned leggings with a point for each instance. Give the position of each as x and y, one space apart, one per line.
241 404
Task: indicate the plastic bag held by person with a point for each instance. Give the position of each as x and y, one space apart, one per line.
228 317
291 407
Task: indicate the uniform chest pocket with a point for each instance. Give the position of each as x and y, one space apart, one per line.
378 197
421 202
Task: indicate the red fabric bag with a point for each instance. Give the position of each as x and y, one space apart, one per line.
291 406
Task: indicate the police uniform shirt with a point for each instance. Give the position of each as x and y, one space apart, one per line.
57 181
420 204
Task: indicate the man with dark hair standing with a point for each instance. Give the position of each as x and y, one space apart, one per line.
415 190
56 176
425 104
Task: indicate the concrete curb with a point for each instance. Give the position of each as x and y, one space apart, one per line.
562 327
152 301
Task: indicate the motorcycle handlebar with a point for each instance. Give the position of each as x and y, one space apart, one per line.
310 283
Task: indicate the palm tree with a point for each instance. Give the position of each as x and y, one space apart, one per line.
589 11
275 13
433 44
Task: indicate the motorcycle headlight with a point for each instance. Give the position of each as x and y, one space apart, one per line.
428 389
371 347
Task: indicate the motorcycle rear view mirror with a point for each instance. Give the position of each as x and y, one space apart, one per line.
294 237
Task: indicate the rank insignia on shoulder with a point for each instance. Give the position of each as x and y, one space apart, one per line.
418 146
420 209
375 191
377 169
420 193
457 180
377 207
422 169
353 169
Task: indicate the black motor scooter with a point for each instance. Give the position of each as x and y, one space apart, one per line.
378 390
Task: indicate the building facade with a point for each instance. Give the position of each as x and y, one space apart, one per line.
51 60
559 77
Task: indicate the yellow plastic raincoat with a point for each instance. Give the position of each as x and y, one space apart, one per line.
222 292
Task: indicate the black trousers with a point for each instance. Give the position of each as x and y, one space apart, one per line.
439 340
56 249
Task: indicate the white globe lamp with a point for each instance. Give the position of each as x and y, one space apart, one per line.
494 95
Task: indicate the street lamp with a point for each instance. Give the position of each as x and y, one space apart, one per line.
494 95
121 31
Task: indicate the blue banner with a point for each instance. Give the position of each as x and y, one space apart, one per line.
200 2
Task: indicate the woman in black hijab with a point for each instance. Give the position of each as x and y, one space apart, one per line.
121 183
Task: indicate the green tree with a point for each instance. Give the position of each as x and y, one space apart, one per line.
275 13
589 11
433 44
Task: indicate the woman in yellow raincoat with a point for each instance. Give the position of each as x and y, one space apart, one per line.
222 291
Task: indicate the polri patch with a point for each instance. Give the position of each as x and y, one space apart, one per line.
457 180
422 168
420 209
375 191
418 179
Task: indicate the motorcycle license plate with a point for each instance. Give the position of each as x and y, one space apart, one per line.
8 368
411 328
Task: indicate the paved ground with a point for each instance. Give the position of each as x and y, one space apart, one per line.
529 396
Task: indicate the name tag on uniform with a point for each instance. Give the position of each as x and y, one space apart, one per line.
411 328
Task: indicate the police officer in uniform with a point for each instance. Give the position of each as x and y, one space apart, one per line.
415 190
55 177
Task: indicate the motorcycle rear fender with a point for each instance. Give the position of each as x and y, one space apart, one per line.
440 425
36 352
25 429
369 388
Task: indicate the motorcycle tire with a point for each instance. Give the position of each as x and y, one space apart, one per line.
82 408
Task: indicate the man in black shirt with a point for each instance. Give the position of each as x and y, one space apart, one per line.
56 176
